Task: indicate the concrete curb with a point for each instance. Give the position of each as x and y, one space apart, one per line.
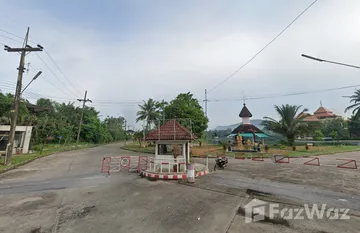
180 176
202 173
164 177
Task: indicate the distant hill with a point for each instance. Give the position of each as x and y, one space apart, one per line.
256 122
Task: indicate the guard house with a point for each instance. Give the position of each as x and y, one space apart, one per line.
246 130
171 133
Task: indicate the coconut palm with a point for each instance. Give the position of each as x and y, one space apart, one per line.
148 112
355 99
289 125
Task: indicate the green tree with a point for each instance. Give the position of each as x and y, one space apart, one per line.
115 126
338 125
318 135
289 125
138 136
333 135
160 108
189 113
355 106
148 112
354 127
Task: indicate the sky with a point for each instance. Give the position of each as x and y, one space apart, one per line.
124 52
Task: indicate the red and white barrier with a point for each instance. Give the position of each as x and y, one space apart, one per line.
313 162
349 164
180 176
124 163
163 176
281 159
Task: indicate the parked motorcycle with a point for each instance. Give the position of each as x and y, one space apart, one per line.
220 163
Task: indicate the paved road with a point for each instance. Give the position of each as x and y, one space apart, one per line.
235 179
66 192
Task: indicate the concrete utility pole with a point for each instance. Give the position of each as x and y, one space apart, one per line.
23 52
206 101
82 114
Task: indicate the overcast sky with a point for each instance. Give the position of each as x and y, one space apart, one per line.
133 50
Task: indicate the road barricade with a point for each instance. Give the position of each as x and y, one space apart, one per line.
348 164
281 159
313 162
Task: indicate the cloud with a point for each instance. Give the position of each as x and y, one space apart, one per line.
163 49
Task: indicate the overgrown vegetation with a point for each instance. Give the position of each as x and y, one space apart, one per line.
59 122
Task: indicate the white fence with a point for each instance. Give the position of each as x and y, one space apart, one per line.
166 164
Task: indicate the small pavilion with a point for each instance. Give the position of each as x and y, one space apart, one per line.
171 133
246 129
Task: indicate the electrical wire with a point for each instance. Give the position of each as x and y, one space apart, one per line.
55 75
261 50
285 94
61 70
11 39
48 81
47 53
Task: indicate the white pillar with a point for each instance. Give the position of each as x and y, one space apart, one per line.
156 149
27 139
184 150
188 150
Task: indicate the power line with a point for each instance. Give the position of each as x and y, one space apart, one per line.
61 70
47 53
48 81
55 75
285 94
11 39
20 37
261 50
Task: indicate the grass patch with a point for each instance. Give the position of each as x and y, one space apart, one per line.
313 150
18 160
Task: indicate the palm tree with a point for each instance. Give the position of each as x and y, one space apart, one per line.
289 125
148 112
355 99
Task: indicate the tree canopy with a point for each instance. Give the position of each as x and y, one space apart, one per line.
188 111
289 125
355 106
184 108
61 121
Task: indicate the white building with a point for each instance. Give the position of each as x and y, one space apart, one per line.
22 138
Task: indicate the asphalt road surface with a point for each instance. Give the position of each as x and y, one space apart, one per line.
66 192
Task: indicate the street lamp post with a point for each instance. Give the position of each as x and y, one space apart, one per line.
332 62
35 77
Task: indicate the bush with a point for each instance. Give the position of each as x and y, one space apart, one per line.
282 147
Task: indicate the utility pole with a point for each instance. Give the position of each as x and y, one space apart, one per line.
206 101
23 52
82 114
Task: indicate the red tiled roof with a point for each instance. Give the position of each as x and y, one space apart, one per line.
325 114
171 130
310 118
245 112
322 110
